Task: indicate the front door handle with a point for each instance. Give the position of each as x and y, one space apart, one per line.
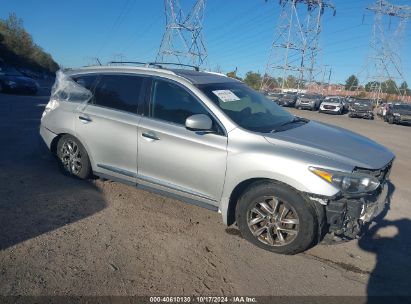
85 118
150 136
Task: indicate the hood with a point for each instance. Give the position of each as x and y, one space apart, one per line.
330 103
334 143
307 99
362 107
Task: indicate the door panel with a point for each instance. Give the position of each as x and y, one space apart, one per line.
193 163
108 125
110 137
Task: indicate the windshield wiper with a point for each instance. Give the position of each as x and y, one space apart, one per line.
296 119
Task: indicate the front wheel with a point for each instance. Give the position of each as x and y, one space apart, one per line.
276 218
390 120
73 157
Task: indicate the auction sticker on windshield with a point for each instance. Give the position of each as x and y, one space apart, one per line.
226 95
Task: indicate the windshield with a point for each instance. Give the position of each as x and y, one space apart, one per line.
246 107
9 71
363 103
402 107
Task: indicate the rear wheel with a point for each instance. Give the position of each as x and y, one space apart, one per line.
276 218
73 157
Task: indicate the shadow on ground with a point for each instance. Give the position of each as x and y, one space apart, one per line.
35 197
391 275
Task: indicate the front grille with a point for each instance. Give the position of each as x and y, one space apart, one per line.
381 174
329 107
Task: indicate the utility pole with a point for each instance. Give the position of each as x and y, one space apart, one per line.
384 61
296 43
183 39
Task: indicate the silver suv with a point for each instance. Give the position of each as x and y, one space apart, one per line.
212 141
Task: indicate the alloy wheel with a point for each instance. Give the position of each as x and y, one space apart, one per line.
71 157
273 222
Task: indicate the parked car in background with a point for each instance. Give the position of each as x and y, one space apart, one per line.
274 96
398 113
287 100
385 109
309 101
284 180
332 106
11 80
380 109
361 109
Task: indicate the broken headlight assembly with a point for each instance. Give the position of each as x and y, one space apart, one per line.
348 183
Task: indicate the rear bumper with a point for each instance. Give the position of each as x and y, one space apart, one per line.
47 135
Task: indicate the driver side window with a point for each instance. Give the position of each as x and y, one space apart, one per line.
172 103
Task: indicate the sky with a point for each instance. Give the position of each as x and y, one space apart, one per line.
237 33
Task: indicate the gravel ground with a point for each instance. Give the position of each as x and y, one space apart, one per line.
62 236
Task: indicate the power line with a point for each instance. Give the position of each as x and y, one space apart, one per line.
297 34
183 37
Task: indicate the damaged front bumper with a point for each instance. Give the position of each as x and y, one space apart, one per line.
346 216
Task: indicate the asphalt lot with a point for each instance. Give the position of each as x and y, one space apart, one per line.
62 236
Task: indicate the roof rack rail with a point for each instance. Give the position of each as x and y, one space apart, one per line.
127 62
196 68
155 64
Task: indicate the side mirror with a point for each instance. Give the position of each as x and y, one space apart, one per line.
199 122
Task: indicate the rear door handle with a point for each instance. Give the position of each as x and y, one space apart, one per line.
150 136
85 118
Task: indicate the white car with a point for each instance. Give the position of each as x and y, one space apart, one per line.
332 106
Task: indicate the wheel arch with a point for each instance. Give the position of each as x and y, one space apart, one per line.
54 143
239 190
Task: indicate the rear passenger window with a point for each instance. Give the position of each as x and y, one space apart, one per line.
119 92
86 81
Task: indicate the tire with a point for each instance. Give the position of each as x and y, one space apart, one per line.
301 218
1 88
73 162
390 120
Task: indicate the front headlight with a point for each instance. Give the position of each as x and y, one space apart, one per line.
396 114
11 83
351 183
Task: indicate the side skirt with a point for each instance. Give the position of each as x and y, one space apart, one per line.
153 189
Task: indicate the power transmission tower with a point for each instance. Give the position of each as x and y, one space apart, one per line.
384 62
183 39
296 43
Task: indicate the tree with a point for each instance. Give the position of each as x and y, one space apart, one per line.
351 83
17 47
389 86
233 74
253 80
371 86
404 88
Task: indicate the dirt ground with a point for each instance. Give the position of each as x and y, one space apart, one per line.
62 236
